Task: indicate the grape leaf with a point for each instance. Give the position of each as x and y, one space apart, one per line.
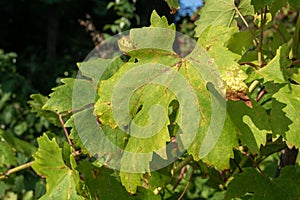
240 42
278 120
221 12
160 22
131 181
214 39
61 180
286 186
7 155
276 69
99 69
61 99
253 123
220 155
289 95
174 5
259 4
102 183
276 5
294 3
36 106
21 146
216 35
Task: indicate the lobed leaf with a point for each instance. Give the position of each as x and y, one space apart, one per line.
61 180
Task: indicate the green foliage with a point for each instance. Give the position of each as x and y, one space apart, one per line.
214 123
254 185
61 180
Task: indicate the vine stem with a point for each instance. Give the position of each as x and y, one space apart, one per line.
296 39
240 165
187 185
180 177
182 164
296 62
16 169
65 130
246 24
249 63
261 36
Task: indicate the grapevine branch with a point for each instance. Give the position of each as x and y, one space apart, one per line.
187 185
246 24
263 17
182 164
16 169
250 64
180 177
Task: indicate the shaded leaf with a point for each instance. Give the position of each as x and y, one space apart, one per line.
102 183
21 146
253 123
36 106
259 4
7 155
258 186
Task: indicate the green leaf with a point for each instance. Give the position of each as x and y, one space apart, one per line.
160 22
174 5
259 4
102 183
7 155
216 35
253 123
289 96
294 3
240 42
276 69
278 119
222 152
276 6
61 99
221 12
214 39
36 106
61 180
21 146
131 181
285 187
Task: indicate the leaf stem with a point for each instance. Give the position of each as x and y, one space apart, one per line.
187 185
261 36
240 165
275 27
188 159
65 130
179 177
260 95
249 63
246 24
296 38
16 169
